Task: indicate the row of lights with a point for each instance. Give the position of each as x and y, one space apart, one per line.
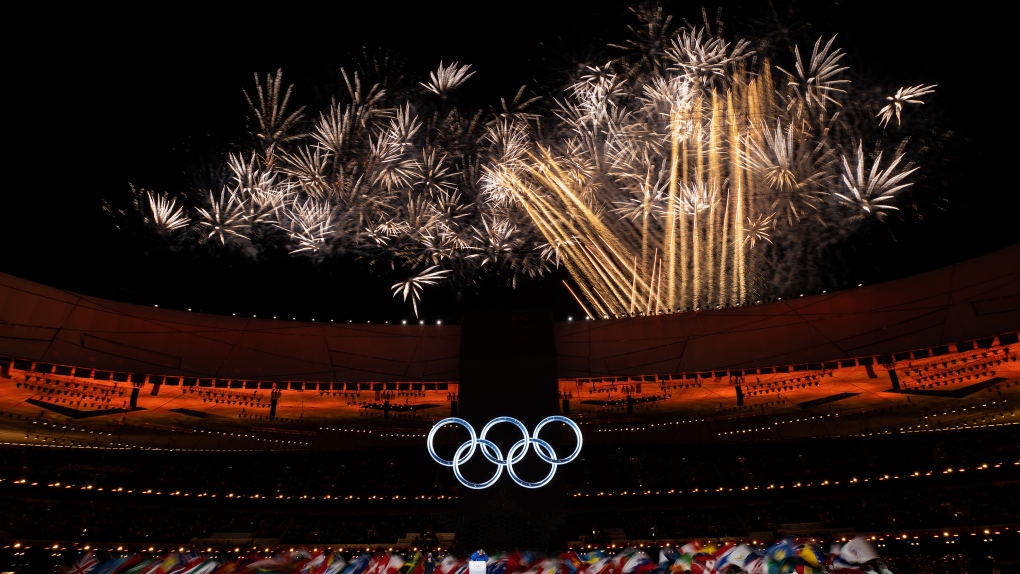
231 495
853 480
132 447
837 415
202 431
403 322
570 317
20 549
971 426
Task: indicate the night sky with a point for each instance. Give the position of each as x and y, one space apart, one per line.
103 99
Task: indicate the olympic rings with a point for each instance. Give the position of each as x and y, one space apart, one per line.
493 454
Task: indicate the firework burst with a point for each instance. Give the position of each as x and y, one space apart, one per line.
661 180
903 96
413 286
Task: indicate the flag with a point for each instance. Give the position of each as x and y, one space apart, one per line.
111 566
120 565
163 565
203 567
140 567
780 550
858 551
667 556
450 564
394 564
384 564
692 547
358 565
416 565
812 555
683 563
756 566
735 557
182 561
311 565
335 564
495 566
843 567
84 565
636 563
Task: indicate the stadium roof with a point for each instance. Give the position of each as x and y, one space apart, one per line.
974 299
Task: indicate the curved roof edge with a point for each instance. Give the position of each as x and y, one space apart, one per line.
974 299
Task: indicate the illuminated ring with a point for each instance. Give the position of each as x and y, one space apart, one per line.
457 462
472 444
536 441
522 445
500 461
491 452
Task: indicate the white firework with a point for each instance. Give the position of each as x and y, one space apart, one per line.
666 94
166 214
388 163
872 190
698 197
704 59
308 167
274 121
593 98
413 286
508 140
434 175
257 186
818 83
309 226
333 130
650 177
224 217
794 167
494 242
759 228
910 95
447 78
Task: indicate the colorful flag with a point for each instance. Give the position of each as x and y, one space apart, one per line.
203 567
140 567
495 566
416 565
812 555
334 564
84 565
734 557
636 563
358 565
858 551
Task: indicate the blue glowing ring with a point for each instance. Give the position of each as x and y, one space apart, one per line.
472 444
457 460
493 454
494 422
522 445
550 459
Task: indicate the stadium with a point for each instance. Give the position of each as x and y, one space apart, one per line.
886 411
603 288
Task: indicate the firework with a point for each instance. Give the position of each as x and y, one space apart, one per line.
872 190
446 79
911 95
662 180
412 287
166 214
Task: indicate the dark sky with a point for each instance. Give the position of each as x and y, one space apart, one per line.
103 99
